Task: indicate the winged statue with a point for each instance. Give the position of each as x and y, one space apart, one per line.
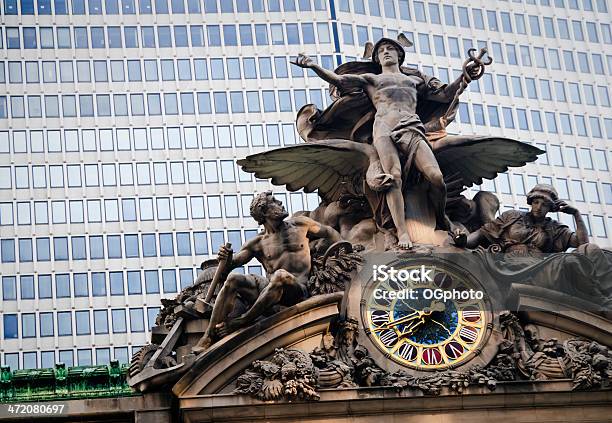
384 138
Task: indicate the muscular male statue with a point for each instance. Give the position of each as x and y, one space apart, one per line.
283 250
395 94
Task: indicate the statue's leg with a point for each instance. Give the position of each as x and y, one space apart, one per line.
426 163
269 296
390 162
224 304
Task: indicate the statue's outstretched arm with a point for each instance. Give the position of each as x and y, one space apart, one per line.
340 81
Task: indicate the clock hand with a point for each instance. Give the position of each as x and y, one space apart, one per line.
404 319
409 330
440 324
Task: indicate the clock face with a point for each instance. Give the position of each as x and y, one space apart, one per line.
434 323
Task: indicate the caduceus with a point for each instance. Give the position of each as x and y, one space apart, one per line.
469 75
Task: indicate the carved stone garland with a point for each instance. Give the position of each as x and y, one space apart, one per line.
341 362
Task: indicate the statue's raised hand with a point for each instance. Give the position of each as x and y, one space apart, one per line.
224 253
303 61
563 207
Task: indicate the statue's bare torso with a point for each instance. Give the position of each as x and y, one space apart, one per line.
394 96
287 248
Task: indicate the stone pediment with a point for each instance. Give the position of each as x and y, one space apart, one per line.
297 326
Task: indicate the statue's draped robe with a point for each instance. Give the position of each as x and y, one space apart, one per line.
527 244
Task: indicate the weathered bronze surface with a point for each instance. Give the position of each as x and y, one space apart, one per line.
390 179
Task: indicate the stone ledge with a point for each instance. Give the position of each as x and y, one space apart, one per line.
509 398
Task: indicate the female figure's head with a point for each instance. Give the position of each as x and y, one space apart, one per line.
543 199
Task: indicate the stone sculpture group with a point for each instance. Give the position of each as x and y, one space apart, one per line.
389 178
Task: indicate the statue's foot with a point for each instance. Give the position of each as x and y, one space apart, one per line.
203 344
225 328
390 241
404 242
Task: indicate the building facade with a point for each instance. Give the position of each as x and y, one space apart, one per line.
120 125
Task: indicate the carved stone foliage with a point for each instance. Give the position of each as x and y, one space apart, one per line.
340 361
332 271
288 375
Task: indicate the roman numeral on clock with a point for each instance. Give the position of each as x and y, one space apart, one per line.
432 356
407 352
468 334
471 315
379 317
454 350
388 338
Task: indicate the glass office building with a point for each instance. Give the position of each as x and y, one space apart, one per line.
120 124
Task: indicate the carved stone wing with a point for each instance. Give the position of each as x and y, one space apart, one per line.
476 157
333 167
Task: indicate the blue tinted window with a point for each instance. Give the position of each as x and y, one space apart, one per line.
169 280
96 247
131 246
113 245
46 324
161 6
178 6
80 286
119 321
145 7
82 322
261 34
78 7
230 37
9 288
200 242
11 330
214 35
7 247
166 245
183 244
116 283
44 286
186 277
128 7
193 6
148 36
62 286
133 282
246 35
220 102
136 320
10 7
98 284
26 286
197 35
79 250
112 7
25 250
210 6
80 37
164 39
149 245
95 7
180 36
29 38
60 248
64 323
151 281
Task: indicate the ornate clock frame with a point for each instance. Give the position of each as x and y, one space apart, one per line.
362 286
